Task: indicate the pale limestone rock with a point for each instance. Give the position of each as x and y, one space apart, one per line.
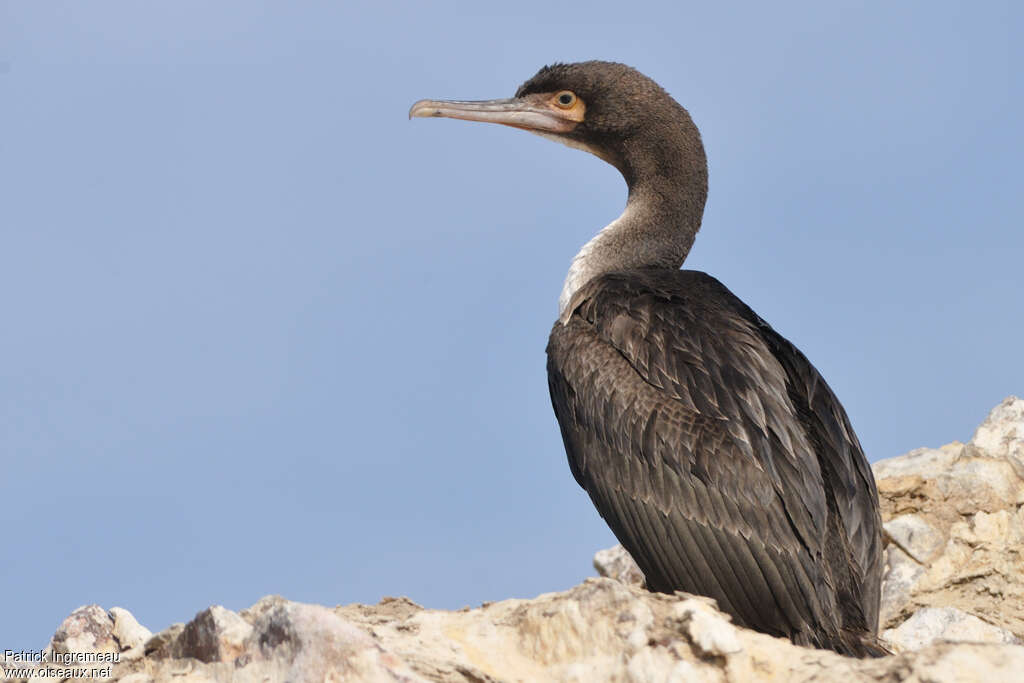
981 483
659 665
968 502
916 537
215 635
898 582
1001 435
925 462
139 677
161 643
708 628
294 641
130 635
960 663
88 629
600 631
932 624
617 563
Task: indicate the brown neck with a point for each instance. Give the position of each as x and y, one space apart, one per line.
666 171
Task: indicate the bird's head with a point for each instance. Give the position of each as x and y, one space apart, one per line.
605 108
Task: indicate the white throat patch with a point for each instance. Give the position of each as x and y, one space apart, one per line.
584 267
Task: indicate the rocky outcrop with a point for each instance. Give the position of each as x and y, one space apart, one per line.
953 518
601 630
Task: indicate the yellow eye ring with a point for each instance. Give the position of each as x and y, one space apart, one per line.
566 99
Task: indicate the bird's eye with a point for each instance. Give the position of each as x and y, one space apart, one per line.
565 99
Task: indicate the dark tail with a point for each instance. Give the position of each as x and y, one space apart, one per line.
848 643
860 645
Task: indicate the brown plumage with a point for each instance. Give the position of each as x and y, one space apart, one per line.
715 451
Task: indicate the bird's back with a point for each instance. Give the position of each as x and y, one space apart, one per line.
719 456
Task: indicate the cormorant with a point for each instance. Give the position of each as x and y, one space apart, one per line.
711 446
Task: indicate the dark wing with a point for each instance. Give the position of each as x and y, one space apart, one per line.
700 435
856 561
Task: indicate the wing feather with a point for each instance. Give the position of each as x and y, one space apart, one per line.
717 454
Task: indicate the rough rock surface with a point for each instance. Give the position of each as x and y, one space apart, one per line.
601 630
954 522
954 518
616 563
89 628
931 624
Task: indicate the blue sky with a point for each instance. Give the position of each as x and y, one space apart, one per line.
262 334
